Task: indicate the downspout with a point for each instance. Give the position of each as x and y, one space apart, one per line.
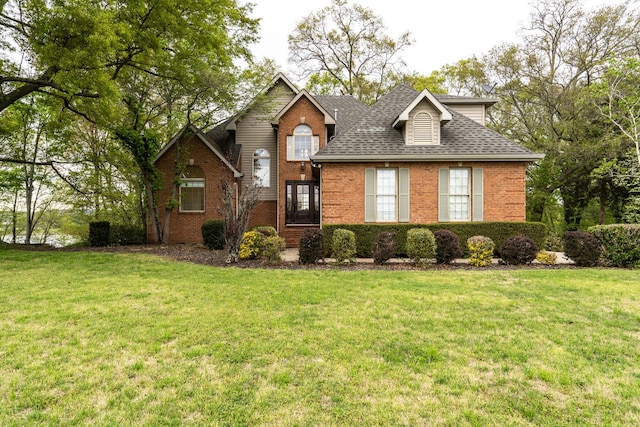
235 184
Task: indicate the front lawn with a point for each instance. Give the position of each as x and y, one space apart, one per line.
120 339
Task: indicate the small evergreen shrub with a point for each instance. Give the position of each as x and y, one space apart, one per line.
480 250
123 235
271 248
546 258
251 245
582 247
517 250
213 234
311 248
343 247
553 242
620 243
384 247
421 246
99 233
447 246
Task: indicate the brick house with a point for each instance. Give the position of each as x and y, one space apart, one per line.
410 158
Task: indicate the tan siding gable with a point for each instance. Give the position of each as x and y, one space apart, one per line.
423 126
254 131
474 112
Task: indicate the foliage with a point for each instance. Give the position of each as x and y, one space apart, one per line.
127 234
497 231
553 242
421 246
448 246
518 250
620 243
343 246
311 247
346 51
384 247
236 216
581 247
99 233
480 250
546 258
213 234
266 230
271 248
251 246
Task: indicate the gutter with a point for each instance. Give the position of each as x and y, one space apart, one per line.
428 158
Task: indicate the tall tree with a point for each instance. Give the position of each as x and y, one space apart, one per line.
541 81
345 50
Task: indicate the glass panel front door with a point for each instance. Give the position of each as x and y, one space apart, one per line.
303 202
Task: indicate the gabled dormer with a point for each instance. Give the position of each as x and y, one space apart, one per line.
421 120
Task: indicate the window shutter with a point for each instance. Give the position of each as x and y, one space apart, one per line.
443 195
289 147
403 193
477 188
316 145
369 195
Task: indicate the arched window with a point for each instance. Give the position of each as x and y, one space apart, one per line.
262 168
302 144
423 129
192 190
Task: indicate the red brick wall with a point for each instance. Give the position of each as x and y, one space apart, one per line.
302 112
264 214
343 191
185 227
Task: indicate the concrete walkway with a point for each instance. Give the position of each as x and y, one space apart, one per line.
291 255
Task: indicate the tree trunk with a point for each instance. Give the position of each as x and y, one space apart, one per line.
151 208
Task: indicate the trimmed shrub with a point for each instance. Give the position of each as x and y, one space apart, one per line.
421 246
251 245
546 258
517 250
99 233
582 247
271 248
311 248
213 234
553 242
480 250
496 231
343 246
447 246
384 247
123 235
620 243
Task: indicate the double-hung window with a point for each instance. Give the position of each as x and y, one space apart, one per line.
386 195
192 190
460 194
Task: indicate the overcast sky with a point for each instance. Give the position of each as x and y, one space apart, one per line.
434 25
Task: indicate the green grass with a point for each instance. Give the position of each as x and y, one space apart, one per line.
116 339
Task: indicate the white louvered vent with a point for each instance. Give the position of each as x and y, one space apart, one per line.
422 129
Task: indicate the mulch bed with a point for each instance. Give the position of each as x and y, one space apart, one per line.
199 254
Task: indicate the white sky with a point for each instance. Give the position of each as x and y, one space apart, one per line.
434 26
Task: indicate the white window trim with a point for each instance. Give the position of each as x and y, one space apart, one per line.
291 140
267 157
469 196
395 195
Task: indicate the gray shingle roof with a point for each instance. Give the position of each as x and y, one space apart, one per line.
350 110
371 137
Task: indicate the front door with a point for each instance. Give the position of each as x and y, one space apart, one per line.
303 202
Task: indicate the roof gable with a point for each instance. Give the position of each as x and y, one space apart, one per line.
328 118
211 144
273 83
425 95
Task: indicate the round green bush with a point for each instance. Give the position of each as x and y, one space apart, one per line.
421 245
213 234
343 246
